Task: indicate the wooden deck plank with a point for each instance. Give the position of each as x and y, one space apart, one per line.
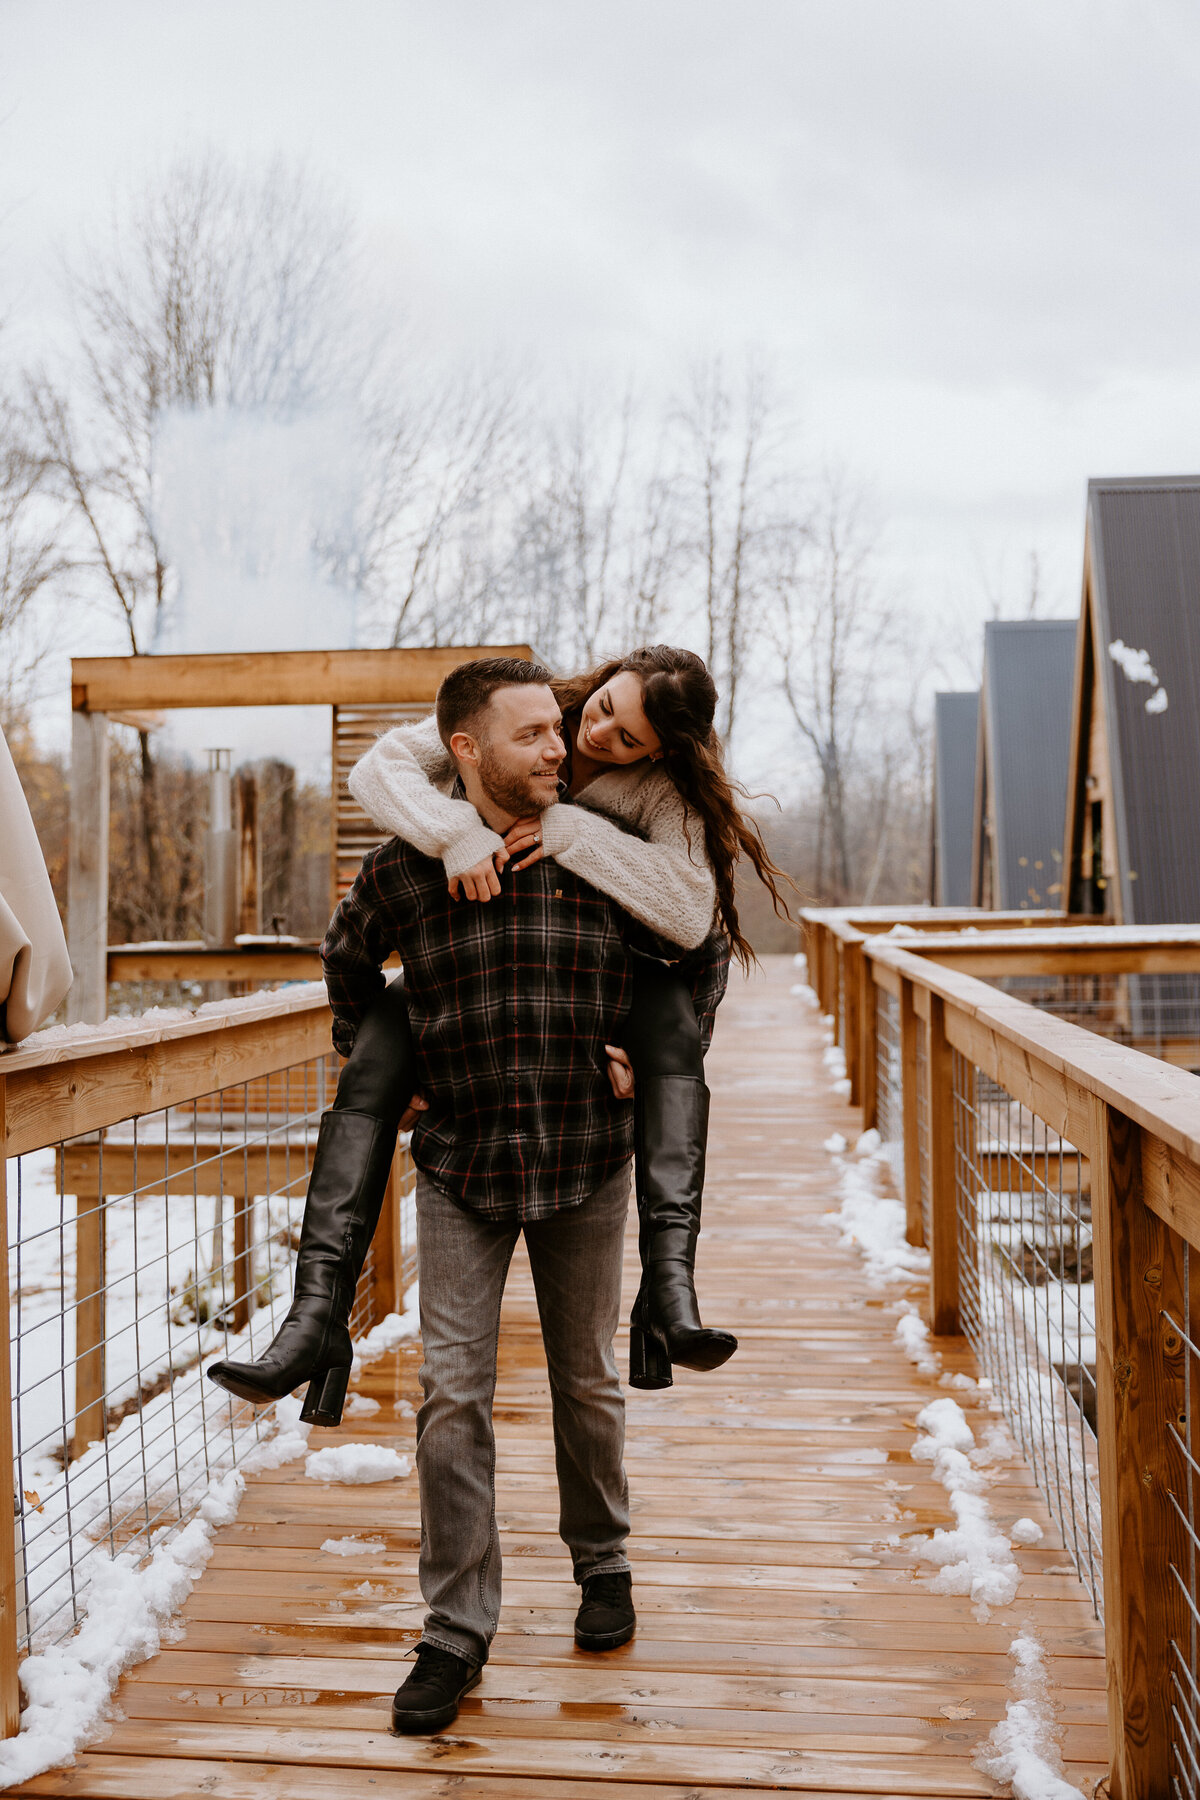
792 1770
510 1725
784 1642
725 1636
214 1672
102 1776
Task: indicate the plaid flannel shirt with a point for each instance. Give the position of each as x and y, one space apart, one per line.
511 1003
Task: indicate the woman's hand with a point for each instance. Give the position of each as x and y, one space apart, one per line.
412 1112
481 882
526 834
620 1072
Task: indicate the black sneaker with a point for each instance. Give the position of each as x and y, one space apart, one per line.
429 1699
606 1617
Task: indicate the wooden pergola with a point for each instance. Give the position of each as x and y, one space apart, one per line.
366 690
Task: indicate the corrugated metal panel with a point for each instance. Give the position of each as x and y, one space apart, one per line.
955 728
1028 666
1146 587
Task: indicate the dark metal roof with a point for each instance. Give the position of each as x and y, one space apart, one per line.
1145 543
955 730
1028 668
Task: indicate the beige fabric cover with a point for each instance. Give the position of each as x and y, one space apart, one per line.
35 971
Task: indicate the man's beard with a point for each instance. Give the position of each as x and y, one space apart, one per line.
517 795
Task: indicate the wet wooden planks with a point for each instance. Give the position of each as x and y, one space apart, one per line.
786 1641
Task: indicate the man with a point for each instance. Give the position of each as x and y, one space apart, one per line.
512 1005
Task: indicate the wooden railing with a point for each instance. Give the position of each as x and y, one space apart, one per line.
153 1177
834 937
1053 1173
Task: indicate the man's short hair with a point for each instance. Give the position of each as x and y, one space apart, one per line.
466 691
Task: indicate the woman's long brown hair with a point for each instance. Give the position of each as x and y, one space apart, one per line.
680 702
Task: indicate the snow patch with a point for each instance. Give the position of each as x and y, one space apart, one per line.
1135 664
976 1557
391 1332
876 1224
289 1443
1137 667
912 1334
835 1144
869 1143
352 1546
153 1018
1026 1531
358 1406
68 1687
357 1464
1025 1748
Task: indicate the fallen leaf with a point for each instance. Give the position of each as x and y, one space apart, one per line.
35 1500
958 1709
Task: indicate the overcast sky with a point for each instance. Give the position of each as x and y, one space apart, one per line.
966 232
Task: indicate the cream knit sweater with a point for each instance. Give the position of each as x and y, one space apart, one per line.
403 783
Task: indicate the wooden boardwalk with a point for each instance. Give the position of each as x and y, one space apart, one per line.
781 1645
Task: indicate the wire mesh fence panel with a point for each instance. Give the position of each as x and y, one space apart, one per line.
889 1083
1157 1014
137 1255
1184 1567
1027 1298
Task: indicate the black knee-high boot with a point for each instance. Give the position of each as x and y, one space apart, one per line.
671 1131
351 1164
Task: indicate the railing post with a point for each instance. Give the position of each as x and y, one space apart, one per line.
386 1247
1141 1374
810 945
852 961
10 1688
910 1025
387 1251
87 876
943 1208
868 1037
243 1252
89 1315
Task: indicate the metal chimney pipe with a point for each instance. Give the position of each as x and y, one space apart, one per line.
220 855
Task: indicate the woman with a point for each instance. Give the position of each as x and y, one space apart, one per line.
643 759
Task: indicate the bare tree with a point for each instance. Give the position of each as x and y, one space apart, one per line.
598 540
430 535
213 288
832 636
31 556
741 530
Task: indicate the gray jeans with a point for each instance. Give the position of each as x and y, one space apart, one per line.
462 1262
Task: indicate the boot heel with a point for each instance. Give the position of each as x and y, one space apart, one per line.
326 1397
649 1362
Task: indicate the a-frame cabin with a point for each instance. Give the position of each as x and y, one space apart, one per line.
955 728
1021 764
1133 814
